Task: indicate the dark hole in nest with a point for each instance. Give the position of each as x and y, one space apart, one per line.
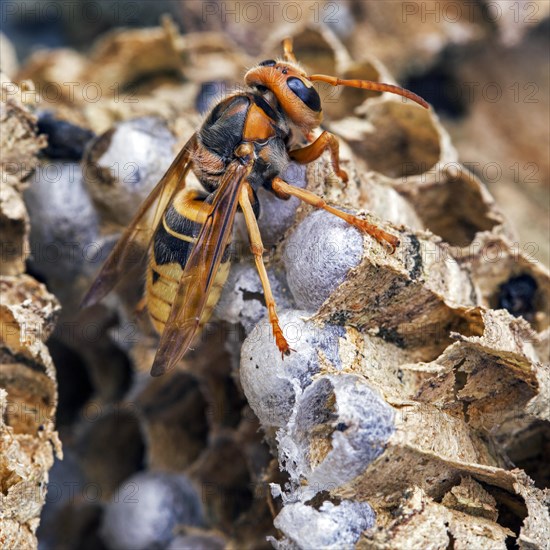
35 274
65 139
441 87
74 384
235 402
517 295
511 511
530 452
240 499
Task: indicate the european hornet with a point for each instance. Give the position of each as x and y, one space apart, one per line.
244 143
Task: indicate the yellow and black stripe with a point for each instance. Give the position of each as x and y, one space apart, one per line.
172 243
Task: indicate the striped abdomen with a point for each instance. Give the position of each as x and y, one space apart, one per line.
172 244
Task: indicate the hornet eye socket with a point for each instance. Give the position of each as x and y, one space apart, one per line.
268 63
308 95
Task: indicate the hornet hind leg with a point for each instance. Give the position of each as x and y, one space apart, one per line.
283 189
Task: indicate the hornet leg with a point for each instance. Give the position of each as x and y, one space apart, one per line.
314 150
257 248
282 188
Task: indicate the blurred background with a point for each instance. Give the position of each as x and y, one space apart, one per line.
483 66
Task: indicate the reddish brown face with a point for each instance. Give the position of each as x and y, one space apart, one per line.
294 92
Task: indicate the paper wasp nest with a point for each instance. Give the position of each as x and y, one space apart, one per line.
28 389
414 409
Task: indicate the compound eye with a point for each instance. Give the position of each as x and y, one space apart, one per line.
268 63
308 95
